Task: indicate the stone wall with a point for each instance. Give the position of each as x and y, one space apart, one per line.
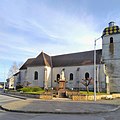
90 97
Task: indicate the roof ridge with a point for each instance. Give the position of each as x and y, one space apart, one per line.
75 53
45 60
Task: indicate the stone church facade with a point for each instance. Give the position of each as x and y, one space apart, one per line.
45 70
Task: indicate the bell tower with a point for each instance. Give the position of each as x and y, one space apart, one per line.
111 57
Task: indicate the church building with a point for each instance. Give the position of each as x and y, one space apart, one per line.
45 70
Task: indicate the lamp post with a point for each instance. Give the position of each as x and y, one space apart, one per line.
95 67
4 79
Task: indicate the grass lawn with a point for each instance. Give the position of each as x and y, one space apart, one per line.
36 93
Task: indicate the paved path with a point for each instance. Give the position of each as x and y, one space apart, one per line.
61 106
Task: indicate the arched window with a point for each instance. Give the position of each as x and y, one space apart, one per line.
36 75
71 76
111 46
86 75
58 77
111 39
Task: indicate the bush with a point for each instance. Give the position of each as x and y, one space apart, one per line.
19 87
26 89
31 89
35 89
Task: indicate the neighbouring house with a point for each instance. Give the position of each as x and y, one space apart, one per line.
45 70
13 81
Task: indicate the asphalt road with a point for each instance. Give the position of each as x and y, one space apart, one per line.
6 99
25 116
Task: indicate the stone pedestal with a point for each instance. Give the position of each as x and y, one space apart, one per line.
61 91
62 84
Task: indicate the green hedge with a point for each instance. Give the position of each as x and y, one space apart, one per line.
31 89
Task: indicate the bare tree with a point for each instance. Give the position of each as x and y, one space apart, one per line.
20 64
13 69
86 82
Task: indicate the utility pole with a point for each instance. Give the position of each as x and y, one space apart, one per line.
4 78
95 67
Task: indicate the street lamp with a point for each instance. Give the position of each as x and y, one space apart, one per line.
4 78
95 67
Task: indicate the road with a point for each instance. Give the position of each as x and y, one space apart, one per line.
6 99
25 116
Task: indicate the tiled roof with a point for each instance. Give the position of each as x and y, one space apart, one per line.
76 59
41 60
111 30
73 59
26 64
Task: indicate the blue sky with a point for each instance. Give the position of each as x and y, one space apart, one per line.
55 26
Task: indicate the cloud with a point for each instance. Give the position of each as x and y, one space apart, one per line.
28 27
26 30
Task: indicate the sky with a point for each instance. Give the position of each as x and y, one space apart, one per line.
55 27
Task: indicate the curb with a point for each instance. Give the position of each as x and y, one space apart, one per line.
20 97
59 112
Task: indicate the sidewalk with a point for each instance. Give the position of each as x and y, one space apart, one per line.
62 106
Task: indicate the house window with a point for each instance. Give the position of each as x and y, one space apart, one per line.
71 76
86 75
111 39
36 75
58 77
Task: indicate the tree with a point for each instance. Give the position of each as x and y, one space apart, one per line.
86 82
13 69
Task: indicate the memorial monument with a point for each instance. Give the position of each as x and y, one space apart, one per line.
62 81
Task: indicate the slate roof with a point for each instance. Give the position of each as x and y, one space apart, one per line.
25 65
77 59
16 74
73 59
41 60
